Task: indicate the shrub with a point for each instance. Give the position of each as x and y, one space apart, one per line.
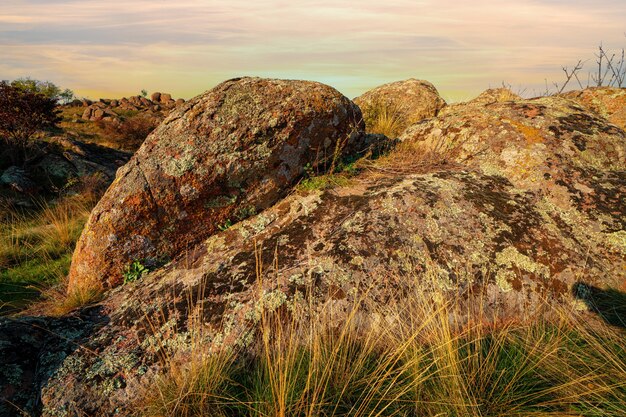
22 115
130 133
45 88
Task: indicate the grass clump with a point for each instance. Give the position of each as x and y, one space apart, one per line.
424 355
323 182
384 118
36 249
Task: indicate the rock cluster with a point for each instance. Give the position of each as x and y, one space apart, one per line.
523 199
64 159
104 108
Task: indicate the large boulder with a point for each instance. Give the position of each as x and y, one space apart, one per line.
399 104
231 152
165 98
607 102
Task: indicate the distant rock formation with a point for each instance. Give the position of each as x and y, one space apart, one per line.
105 109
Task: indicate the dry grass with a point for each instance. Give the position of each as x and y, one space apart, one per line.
384 118
425 355
417 156
36 248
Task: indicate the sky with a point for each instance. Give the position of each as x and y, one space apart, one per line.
114 48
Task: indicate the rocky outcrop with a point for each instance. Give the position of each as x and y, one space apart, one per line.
31 351
226 154
110 110
61 161
406 101
490 96
18 179
607 102
548 145
522 200
72 158
97 112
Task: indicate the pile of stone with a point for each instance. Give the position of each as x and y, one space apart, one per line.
158 103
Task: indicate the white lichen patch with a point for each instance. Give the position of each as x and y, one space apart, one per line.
357 261
269 302
307 203
260 223
502 280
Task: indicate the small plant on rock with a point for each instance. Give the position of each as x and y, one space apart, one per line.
226 225
134 271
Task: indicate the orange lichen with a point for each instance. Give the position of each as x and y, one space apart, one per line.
532 134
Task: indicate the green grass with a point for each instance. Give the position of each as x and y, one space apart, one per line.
323 182
36 249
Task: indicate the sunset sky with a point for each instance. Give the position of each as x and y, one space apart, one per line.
111 48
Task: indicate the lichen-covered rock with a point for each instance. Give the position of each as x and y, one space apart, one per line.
490 96
608 102
31 351
66 159
17 178
407 101
523 237
220 157
548 145
464 229
495 95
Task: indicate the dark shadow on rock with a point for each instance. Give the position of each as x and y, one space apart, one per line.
31 351
609 304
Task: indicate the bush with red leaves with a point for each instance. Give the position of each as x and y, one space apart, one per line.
129 134
23 114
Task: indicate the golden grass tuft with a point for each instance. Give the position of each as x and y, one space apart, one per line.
384 118
424 355
36 248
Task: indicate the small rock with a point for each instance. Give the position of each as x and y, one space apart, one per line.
165 98
18 180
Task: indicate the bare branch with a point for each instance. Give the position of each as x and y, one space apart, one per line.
569 76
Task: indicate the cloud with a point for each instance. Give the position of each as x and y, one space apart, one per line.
187 46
